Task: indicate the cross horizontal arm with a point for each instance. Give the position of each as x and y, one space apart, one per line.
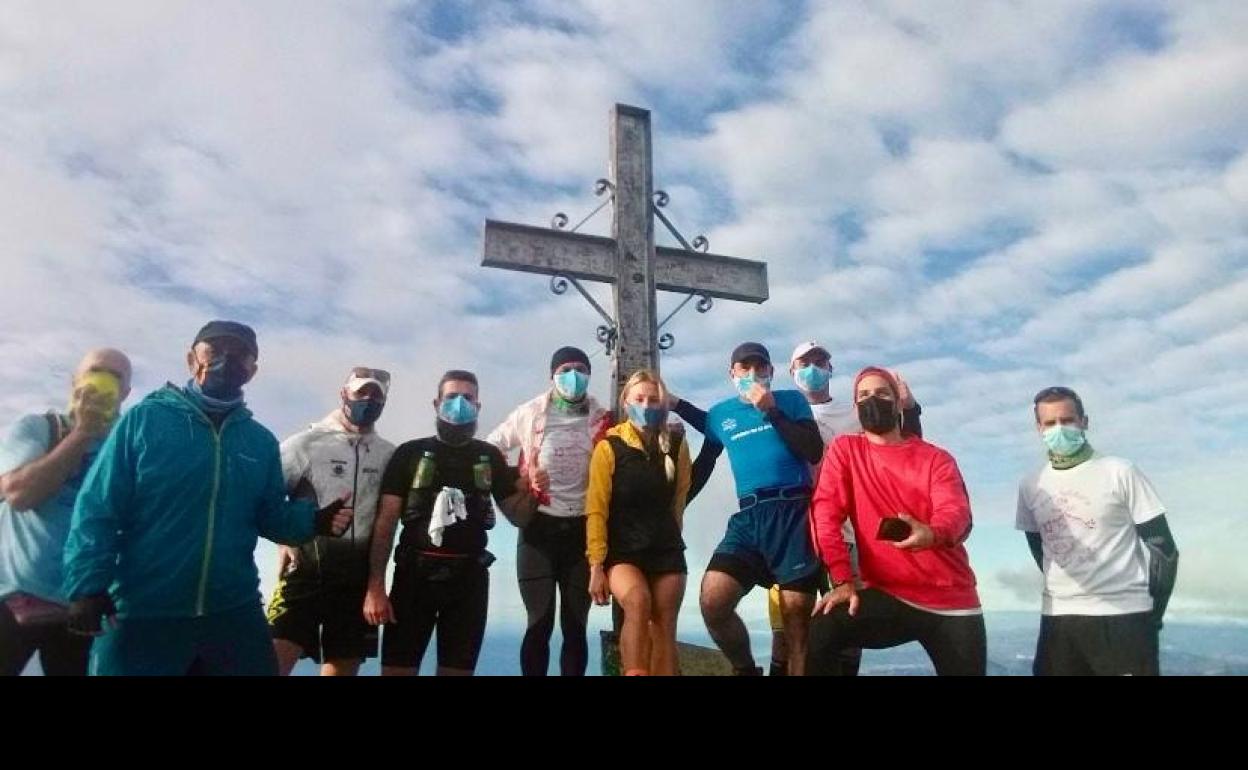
711 274
592 258
549 252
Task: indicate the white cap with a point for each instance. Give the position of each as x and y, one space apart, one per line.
804 349
355 382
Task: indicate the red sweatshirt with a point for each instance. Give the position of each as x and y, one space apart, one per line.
867 482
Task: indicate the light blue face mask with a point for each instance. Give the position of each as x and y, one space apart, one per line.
1064 440
642 416
457 410
572 384
812 378
745 383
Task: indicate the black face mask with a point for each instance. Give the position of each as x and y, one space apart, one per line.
224 378
364 412
456 435
877 415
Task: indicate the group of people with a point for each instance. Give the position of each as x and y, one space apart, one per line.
127 539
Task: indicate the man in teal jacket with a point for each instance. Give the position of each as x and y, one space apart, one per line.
165 527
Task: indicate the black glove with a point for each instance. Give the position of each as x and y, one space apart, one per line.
304 491
86 613
325 519
1163 571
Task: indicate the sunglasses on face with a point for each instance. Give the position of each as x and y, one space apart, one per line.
227 346
120 377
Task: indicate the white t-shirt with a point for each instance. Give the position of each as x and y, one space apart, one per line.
565 453
1094 562
835 418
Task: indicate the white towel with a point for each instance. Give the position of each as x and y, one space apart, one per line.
448 508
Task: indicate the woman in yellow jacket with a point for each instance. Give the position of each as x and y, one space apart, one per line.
638 481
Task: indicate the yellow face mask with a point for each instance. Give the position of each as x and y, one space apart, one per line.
106 386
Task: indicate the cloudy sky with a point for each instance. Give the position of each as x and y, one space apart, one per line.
990 196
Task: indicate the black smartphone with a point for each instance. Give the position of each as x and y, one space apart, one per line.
893 528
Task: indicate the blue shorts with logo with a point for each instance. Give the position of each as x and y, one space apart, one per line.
768 543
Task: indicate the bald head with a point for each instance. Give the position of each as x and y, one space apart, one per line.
106 360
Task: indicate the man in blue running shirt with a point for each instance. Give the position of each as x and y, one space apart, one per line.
772 440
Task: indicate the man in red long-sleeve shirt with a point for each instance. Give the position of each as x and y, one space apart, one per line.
910 512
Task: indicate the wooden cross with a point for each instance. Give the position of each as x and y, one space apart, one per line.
628 260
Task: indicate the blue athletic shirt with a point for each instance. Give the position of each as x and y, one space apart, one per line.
760 459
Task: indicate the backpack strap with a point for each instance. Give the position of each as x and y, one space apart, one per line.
58 429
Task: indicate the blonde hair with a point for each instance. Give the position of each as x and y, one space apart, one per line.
663 435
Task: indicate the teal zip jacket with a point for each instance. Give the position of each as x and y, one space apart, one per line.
168 517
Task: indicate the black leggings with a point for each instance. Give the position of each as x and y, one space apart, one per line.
956 644
60 652
551 554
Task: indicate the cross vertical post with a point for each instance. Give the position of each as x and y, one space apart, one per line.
632 229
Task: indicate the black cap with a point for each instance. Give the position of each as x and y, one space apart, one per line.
568 355
241 332
750 350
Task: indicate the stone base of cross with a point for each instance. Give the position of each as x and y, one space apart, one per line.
691 659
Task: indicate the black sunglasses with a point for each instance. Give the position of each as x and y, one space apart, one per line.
364 373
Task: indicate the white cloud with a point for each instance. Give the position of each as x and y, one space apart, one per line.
1222 307
1144 110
